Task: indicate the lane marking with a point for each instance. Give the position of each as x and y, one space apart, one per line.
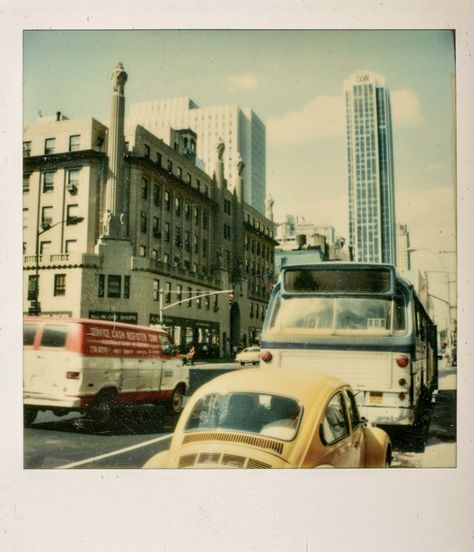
115 452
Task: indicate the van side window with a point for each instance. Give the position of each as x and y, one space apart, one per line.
29 332
166 345
54 336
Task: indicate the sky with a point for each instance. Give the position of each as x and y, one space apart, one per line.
293 80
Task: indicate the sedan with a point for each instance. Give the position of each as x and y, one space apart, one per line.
250 355
274 418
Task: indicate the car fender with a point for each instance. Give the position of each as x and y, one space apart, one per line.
160 460
377 447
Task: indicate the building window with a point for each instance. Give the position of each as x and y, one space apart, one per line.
49 146
205 220
170 166
204 247
26 183
159 158
32 287
190 294
187 210
154 254
142 250
196 216
156 195
180 172
198 185
126 287
177 238
177 206
146 148
71 212
167 200
48 181
101 285
207 300
194 268
187 241
114 285
45 246
156 228
74 142
198 300
144 188
156 290
26 149
206 190
46 217
143 222
195 244
71 246
73 180
168 292
167 232
188 178
226 232
59 284
216 302
179 295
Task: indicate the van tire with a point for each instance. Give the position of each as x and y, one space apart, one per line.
103 408
175 404
29 415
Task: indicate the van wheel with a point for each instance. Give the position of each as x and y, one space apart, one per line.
29 415
175 404
103 408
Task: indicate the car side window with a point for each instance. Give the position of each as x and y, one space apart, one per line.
29 332
166 345
335 424
54 336
353 410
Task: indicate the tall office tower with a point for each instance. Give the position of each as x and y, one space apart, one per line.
403 243
370 168
240 128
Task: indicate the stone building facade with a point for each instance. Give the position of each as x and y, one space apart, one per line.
120 225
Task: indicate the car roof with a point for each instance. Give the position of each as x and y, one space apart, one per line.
302 383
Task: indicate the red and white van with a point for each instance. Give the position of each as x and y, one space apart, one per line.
94 365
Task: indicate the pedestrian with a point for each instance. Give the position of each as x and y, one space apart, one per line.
191 355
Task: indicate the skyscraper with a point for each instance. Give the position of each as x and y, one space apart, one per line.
403 245
370 168
240 128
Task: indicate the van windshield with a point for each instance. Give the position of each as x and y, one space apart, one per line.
263 414
338 315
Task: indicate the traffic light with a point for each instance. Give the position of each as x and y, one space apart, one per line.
231 297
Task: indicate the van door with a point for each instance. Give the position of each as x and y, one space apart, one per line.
170 363
50 361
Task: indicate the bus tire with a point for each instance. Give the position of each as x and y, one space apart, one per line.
175 404
104 406
29 415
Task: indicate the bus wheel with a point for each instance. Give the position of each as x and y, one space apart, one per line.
175 404
103 407
29 415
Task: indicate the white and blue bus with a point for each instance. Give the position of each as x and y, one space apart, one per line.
363 323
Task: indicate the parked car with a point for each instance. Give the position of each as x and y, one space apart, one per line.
274 418
250 355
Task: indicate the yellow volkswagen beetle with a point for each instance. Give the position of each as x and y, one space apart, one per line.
274 418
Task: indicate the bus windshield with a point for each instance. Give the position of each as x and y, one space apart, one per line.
338 315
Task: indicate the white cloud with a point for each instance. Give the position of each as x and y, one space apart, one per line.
244 81
322 117
406 109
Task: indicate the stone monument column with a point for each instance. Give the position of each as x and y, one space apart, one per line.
116 146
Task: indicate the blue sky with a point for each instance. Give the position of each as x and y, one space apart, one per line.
293 80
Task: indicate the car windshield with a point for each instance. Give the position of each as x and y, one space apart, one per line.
338 315
263 414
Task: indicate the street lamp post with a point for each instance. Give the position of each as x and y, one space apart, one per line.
448 282
70 220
